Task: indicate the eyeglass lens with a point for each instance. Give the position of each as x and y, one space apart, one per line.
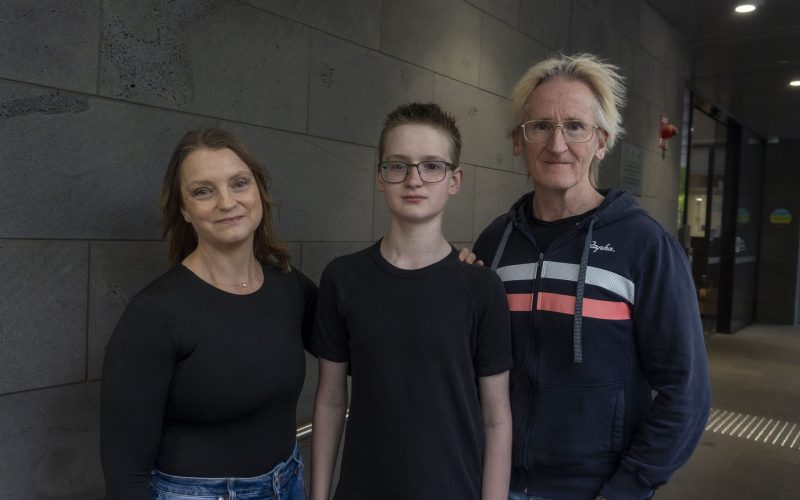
573 130
429 171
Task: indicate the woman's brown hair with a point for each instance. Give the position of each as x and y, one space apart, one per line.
180 235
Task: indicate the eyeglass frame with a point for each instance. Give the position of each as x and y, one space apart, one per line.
561 126
448 166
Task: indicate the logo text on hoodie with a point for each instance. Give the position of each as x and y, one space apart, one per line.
595 247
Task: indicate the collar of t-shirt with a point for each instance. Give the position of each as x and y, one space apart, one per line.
546 232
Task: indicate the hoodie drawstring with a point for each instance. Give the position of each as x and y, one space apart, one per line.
502 246
577 321
577 324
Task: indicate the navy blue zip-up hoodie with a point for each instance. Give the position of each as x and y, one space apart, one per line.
609 390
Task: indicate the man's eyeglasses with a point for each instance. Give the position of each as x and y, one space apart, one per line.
543 130
430 171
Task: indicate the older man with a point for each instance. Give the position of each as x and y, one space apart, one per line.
609 389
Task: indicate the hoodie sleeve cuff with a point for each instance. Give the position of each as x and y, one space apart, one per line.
625 485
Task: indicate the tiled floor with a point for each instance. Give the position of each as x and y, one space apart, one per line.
755 372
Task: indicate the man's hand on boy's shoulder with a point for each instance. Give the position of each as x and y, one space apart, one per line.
467 256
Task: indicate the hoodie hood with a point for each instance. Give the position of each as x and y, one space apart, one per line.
616 205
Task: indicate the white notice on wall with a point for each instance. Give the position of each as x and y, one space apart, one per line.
631 168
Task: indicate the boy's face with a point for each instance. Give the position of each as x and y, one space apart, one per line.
413 200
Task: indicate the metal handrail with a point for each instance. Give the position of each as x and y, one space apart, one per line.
305 431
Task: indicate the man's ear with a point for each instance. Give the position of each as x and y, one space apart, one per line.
518 140
602 138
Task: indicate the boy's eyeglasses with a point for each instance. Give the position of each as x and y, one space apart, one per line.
543 130
430 171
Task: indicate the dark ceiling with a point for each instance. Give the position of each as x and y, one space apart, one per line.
743 63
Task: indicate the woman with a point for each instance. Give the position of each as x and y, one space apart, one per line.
204 369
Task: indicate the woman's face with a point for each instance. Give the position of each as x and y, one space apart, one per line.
556 165
220 198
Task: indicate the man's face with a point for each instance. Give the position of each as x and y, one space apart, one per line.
555 164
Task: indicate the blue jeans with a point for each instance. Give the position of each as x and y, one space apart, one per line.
284 482
517 495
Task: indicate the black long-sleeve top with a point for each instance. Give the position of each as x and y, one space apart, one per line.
199 382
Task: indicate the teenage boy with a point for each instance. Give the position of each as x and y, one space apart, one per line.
425 338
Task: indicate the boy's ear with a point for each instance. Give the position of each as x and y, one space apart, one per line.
456 180
379 180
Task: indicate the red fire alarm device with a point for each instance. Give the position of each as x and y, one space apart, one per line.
666 131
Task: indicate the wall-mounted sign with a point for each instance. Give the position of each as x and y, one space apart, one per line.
780 216
742 215
631 168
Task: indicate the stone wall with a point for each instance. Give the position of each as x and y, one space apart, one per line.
95 93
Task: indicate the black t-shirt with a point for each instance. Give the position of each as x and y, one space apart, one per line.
199 382
546 232
417 341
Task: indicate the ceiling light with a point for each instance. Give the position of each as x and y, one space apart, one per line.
745 8
795 83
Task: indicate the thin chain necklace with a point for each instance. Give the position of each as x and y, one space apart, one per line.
242 284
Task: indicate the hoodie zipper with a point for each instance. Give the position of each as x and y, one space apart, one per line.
533 360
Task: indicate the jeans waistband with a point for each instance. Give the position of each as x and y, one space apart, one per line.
277 477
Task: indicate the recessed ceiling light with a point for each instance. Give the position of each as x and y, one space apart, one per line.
745 8
795 83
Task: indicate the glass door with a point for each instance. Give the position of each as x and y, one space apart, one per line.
705 191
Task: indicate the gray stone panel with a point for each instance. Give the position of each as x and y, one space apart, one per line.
504 10
317 255
652 128
43 286
214 57
51 444
117 271
660 177
548 21
594 35
505 55
356 20
352 89
673 106
637 122
50 42
457 222
495 192
441 36
322 188
663 41
627 61
295 250
93 166
482 119
622 14
649 78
